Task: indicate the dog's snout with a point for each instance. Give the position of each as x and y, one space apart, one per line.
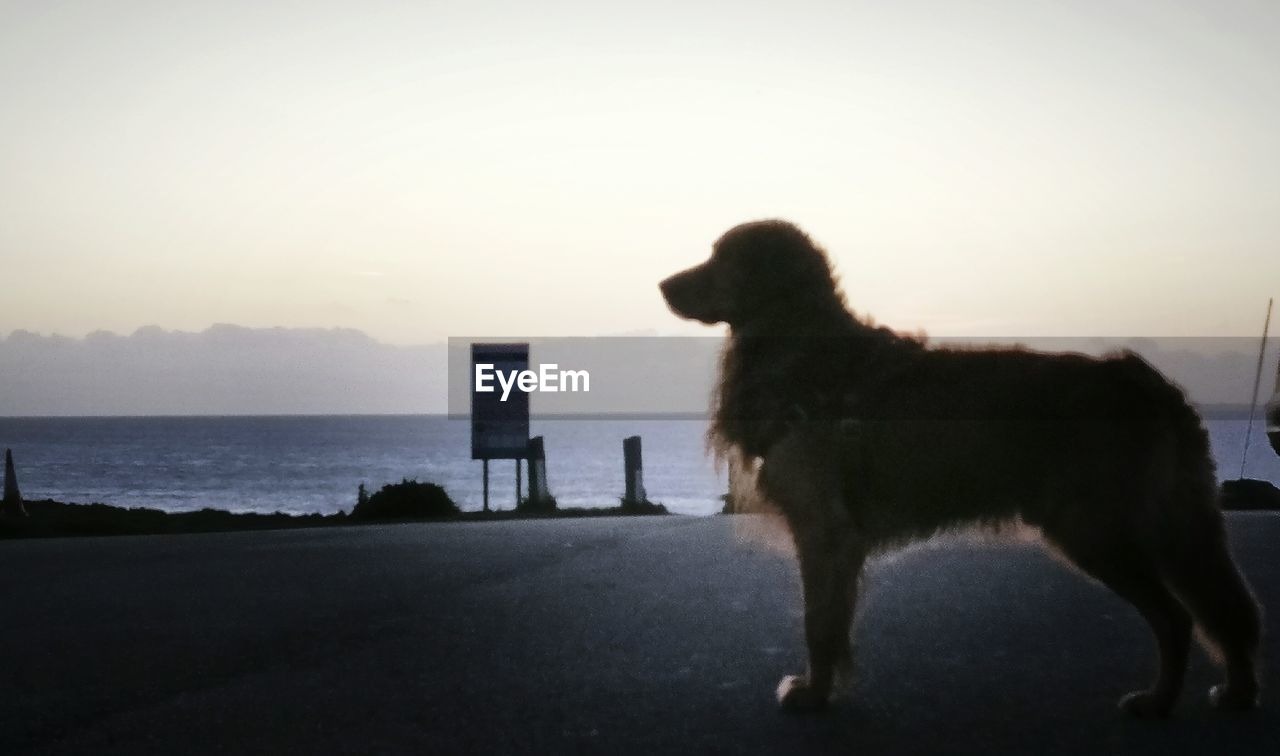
685 293
694 294
668 285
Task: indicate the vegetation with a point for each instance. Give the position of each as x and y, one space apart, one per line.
545 505
51 518
559 513
406 500
1247 493
644 507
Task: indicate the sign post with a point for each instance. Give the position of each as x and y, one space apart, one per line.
499 421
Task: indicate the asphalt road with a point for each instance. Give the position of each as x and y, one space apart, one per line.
610 635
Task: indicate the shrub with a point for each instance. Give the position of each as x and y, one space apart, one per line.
645 507
545 504
406 500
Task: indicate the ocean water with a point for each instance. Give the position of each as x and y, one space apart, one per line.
304 464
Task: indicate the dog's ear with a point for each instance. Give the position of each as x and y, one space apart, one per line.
769 261
754 268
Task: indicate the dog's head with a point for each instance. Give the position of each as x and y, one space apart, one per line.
755 268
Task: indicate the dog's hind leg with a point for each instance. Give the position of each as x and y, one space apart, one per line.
1121 566
1206 578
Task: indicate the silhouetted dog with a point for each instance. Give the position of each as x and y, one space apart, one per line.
864 439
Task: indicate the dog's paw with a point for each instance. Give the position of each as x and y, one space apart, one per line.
1146 704
794 694
1227 697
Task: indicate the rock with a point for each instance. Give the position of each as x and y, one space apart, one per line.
1248 493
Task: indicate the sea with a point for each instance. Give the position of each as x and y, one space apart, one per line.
306 464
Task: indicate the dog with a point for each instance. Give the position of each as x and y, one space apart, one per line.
865 440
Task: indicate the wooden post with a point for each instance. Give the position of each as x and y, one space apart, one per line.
633 472
519 462
1272 413
12 503
539 494
1273 419
1257 379
486 484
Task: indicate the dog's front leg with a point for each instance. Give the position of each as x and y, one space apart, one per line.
831 560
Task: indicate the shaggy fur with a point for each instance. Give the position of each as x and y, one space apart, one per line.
864 440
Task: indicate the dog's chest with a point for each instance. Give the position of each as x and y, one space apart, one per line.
755 411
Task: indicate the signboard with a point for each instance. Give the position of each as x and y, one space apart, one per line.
499 420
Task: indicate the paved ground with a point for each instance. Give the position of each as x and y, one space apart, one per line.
609 635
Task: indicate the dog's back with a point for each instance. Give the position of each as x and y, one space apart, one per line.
983 435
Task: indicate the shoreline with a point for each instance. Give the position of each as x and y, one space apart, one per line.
47 518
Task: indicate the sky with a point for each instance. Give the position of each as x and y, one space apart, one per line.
425 170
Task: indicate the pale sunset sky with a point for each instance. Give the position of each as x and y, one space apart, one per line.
420 170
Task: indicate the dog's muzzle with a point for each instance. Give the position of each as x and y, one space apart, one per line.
688 294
